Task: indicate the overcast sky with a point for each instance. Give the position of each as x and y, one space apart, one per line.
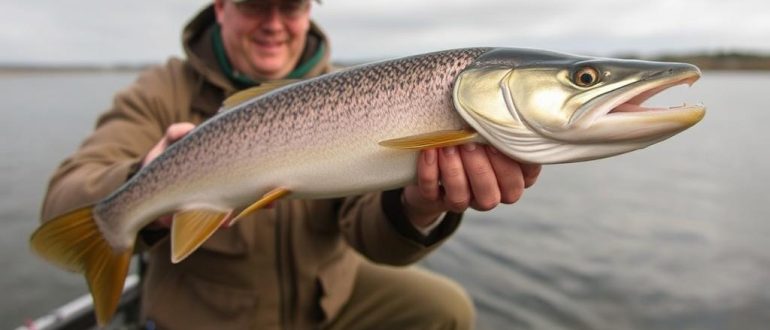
104 31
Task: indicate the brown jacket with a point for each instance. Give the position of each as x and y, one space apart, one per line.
292 266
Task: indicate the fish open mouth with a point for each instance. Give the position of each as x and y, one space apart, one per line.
623 117
633 103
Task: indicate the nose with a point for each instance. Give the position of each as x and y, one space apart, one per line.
271 20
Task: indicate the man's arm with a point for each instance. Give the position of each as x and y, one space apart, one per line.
122 136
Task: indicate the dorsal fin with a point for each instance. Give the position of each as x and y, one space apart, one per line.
248 94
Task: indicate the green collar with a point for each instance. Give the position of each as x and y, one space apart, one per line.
242 81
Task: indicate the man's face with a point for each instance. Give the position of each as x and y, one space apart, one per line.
264 38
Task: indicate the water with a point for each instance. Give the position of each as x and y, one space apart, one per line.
45 117
671 237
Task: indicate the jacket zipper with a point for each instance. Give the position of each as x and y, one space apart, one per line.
279 270
285 277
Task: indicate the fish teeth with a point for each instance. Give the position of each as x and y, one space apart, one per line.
684 105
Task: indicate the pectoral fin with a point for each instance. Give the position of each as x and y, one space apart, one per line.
191 228
432 140
271 196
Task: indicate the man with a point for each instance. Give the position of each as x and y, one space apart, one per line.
300 264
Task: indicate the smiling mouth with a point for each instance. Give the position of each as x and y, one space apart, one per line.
268 44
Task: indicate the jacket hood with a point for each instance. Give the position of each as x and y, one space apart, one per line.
199 49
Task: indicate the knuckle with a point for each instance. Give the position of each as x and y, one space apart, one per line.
453 172
173 129
486 205
532 169
481 170
487 200
429 194
529 182
530 175
177 130
512 196
458 205
426 181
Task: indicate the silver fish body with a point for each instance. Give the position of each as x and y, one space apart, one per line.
317 138
357 131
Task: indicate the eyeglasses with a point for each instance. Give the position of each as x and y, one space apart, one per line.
287 8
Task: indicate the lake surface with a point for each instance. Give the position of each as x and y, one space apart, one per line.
675 236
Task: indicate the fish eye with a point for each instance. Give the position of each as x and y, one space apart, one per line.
586 77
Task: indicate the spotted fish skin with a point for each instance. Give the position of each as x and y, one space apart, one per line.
318 138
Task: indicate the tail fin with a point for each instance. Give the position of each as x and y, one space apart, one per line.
73 241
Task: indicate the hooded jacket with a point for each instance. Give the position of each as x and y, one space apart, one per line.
291 266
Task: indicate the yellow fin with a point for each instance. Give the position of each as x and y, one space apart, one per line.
73 241
431 140
266 199
248 94
191 228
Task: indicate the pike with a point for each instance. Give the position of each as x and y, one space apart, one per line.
360 130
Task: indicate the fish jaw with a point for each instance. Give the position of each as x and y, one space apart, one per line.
620 116
527 105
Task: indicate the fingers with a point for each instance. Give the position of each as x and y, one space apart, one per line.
530 173
428 175
177 131
481 176
455 178
424 201
173 134
508 174
457 195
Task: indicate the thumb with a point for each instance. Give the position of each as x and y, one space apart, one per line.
173 134
177 131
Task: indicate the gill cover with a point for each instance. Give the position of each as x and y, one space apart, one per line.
482 96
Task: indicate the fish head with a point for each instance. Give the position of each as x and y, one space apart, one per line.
546 107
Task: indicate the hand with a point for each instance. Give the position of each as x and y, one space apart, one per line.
173 134
455 178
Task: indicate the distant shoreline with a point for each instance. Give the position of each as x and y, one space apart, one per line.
722 61
728 61
67 69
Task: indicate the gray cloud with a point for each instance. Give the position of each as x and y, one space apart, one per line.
593 26
82 31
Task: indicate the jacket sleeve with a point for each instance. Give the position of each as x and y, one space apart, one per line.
376 226
123 135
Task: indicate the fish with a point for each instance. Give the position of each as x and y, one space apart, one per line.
360 130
